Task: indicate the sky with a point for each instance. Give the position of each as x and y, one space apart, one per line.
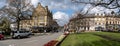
61 9
2 3
64 9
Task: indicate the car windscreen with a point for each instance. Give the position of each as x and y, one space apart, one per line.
21 31
14 31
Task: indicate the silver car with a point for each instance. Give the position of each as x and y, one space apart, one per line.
20 34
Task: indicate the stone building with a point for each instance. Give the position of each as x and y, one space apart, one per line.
40 20
95 22
55 25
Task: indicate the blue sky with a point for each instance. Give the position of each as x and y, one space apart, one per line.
67 11
61 9
2 3
65 6
64 9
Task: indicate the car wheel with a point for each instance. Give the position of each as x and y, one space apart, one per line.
2 38
13 37
28 36
18 37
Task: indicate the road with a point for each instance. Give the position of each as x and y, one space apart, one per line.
32 41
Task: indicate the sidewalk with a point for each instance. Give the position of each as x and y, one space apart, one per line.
7 37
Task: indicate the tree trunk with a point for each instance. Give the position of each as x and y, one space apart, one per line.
18 24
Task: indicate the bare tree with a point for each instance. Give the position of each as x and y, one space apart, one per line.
109 4
18 9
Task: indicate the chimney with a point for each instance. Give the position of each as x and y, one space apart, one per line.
46 7
39 4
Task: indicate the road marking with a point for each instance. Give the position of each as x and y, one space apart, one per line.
12 45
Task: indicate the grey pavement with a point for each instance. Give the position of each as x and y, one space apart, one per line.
32 41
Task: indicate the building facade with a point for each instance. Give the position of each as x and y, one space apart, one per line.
40 20
95 22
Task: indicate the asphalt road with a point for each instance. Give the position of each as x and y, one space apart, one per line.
32 41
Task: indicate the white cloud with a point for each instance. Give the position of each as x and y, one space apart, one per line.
61 5
98 9
34 2
86 8
2 3
62 18
57 5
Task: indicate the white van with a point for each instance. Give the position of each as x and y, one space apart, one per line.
20 34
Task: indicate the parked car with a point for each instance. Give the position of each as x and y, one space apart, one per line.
20 34
1 36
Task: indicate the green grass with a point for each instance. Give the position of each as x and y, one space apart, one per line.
110 34
90 39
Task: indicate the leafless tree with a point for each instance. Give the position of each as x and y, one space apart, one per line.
18 9
109 4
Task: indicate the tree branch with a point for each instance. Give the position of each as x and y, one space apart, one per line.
104 4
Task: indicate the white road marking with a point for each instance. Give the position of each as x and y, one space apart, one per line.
12 45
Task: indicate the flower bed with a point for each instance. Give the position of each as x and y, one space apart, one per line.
57 41
51 43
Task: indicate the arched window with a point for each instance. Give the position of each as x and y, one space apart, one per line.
106 22
99 23
110 22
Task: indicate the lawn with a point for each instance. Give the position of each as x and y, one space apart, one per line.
108 34
92 39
